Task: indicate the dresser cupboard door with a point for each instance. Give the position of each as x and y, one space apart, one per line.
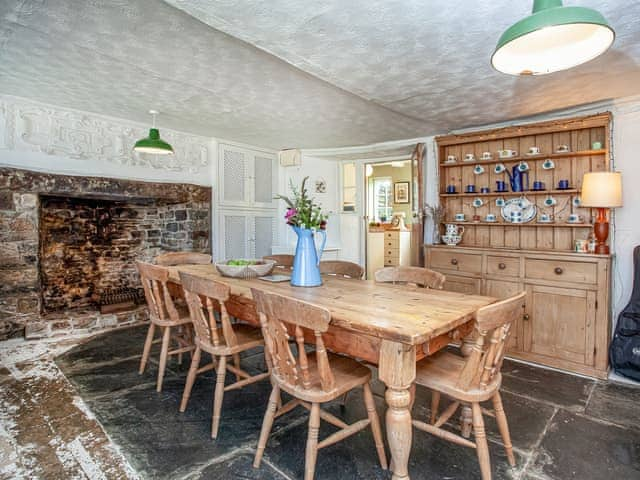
560 323
264 181
261 239
503 289
455 283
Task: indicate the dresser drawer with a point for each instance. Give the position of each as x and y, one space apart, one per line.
392 253
391 262
391 241
561 271
462 262
508 266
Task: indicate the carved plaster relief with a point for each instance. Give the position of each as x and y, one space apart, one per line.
35 127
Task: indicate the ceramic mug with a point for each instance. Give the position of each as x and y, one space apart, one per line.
486 155
534 150
451 189
451 159
469 157
459 217
484 190
563 184
545 217
501 186
490 217
537 185
574 218
596 145
471 189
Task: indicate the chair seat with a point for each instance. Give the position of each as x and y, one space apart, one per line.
347 373
246 335
441 372
183 318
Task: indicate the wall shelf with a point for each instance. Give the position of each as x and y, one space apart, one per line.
519 225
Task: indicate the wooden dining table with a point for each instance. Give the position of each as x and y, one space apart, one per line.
391 326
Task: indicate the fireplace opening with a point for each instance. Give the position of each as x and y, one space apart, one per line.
88 248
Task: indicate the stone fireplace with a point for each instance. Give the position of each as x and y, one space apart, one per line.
69 244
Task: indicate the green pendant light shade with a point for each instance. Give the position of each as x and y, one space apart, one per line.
153 143
551 39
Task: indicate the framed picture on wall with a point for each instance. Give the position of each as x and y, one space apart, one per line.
401 192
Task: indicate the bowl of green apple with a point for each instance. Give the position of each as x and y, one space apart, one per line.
245 267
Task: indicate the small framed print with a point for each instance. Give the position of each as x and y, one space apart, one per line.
401 192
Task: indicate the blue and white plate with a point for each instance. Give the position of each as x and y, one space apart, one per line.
518 210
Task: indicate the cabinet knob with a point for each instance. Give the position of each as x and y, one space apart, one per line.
558 271
454 261
502 266
525 316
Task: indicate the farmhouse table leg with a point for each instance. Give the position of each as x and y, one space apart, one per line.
466 417
397 369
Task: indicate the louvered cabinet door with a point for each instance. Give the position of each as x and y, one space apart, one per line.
234 177
235 235
264 181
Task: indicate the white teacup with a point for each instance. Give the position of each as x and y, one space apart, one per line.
562 148
545 217
499 168
490 217
574 218
459 217
469 157
534 150
451 159
507 153
523 166
486 155
550 201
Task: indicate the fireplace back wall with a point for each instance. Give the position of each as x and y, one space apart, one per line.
89 247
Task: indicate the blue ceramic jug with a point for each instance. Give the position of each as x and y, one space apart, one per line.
519 180
306 263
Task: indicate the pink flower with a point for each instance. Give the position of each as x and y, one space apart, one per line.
323 225
291 212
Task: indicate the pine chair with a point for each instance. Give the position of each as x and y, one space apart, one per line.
170 259
311 378
173 319
473 380
282 261
205 299
422 277
341 268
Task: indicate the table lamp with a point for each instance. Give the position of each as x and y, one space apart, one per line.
601 190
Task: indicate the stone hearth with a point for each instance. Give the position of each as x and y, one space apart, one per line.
65 241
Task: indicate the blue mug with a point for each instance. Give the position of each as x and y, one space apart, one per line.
471 189
538 185
501 186
563 184
451 189
484 190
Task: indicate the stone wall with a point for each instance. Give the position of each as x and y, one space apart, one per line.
177 217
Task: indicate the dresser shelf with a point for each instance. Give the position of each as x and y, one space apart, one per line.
520 158
513 194
521 225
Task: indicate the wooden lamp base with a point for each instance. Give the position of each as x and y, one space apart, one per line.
601 231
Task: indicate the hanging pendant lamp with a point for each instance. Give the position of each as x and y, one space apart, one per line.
153 143
551 39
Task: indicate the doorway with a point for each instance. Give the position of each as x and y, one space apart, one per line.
389 214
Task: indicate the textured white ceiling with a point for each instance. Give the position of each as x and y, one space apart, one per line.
427 59
366 71
123 57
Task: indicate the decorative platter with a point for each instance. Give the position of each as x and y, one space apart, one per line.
518 210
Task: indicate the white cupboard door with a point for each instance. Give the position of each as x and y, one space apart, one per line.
234 174
263 232
264 181
235 236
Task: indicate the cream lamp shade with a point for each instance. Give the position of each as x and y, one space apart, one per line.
602 190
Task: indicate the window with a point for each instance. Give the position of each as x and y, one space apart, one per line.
382 198
349 187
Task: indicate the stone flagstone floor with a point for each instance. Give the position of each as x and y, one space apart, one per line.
77 408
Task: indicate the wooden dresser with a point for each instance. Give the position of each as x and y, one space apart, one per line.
567 316
566 321
388 248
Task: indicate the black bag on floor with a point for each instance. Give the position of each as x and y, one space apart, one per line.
624 352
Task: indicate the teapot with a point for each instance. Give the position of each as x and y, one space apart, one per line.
519 179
